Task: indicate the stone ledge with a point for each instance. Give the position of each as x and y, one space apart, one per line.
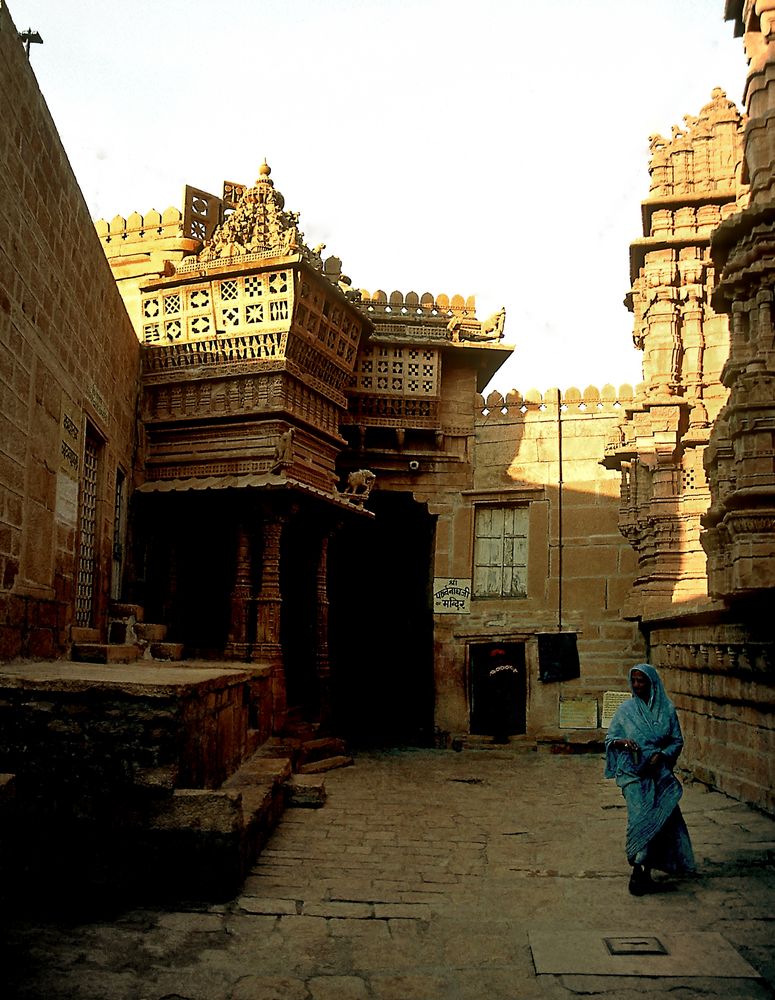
146 679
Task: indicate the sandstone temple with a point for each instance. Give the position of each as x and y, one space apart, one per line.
252 515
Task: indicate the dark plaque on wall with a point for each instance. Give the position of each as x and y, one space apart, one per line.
558 657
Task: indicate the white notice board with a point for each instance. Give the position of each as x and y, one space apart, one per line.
611 701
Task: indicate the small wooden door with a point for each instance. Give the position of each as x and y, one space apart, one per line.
498 689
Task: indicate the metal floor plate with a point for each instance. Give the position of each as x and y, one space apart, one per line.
632 953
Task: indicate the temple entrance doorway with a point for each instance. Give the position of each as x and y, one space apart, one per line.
299 621
381 624
498 689
190 569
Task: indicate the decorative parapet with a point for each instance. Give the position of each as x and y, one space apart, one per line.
137 228
411 304
572 401
430 318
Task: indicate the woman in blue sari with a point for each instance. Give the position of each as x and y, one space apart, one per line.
642 745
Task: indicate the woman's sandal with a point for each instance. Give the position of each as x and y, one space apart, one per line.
639 881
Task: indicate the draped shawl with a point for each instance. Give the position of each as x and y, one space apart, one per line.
654 822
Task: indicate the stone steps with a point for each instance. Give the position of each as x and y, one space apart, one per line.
119 609
80 634
104 652
147 633
127 631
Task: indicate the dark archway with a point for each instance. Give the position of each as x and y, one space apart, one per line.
190 567
381 633
300 552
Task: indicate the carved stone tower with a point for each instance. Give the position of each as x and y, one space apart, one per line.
684 342
740 525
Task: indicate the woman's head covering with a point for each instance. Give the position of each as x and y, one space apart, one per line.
658 703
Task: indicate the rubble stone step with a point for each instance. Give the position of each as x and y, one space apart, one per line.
103 652
305 791
327 764
167 650
118 609
319 749
78 633
146 632
279 746
258 770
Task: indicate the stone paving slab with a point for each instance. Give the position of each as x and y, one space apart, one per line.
442 900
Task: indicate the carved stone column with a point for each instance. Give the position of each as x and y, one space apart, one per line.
238 644
693 339
662 347
267 649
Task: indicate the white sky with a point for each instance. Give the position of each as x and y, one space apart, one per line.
495 148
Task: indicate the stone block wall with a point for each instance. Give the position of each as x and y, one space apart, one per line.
720 678
528 453
68 365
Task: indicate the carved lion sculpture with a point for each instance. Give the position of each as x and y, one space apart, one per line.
492 327
360 482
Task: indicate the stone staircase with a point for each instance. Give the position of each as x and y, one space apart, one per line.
130 638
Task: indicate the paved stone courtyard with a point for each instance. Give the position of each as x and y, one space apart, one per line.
427 876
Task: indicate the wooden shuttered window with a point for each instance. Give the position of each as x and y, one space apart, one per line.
500 552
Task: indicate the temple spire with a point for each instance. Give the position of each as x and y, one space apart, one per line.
259 224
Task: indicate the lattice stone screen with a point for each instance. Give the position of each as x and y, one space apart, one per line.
500 552
404 371
87 549
330 327
245 304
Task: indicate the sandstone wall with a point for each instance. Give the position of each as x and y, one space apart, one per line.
68 356
529 453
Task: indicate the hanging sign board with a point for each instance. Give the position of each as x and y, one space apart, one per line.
451 596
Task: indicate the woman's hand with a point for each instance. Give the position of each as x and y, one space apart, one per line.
630 745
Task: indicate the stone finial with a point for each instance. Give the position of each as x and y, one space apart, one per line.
258 224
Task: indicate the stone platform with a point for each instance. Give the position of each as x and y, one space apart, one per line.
140 777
